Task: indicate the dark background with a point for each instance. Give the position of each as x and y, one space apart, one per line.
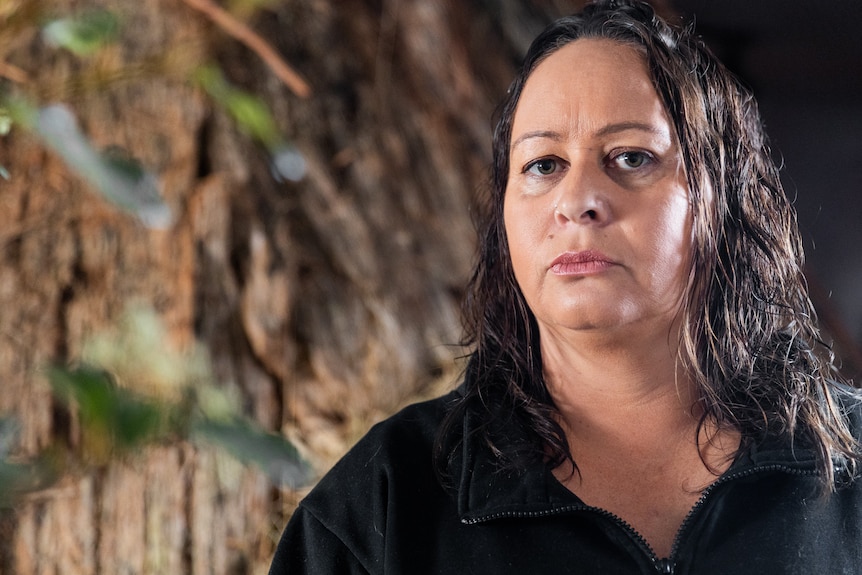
804 62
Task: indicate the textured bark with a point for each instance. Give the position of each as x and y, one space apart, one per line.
324 304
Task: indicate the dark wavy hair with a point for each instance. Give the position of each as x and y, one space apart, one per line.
749 338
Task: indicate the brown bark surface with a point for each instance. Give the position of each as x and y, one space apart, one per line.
324 304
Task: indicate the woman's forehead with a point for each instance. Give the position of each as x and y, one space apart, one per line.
587 87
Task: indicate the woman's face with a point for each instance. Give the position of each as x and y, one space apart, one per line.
596 207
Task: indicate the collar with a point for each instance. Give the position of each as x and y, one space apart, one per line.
486 489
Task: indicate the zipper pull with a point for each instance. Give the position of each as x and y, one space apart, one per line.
664 566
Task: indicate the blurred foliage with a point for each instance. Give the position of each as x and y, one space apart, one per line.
254 118
133 390
250 113
246 442
120 178
114 421
83 34
137 354
5 121
130 389
5 128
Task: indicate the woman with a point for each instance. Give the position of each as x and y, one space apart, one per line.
644 395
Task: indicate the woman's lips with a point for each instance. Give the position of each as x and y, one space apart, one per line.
585 262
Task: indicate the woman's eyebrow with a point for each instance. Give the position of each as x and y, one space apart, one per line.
549 134
626 126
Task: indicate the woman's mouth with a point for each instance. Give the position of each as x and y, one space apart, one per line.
584 262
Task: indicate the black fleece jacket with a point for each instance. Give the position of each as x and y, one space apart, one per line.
382 510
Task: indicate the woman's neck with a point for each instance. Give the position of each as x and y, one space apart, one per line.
602 387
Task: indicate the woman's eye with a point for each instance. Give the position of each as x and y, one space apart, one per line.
631 160
543 167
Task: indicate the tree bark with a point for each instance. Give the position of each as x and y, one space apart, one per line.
325 304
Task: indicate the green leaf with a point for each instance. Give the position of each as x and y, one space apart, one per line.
253 117
83 35
119 178
5 121
272 453
17 110
119 418
249 112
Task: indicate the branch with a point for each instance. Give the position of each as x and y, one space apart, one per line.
254 42
13 73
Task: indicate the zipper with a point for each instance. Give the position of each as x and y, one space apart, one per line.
619 521
701 502
663 566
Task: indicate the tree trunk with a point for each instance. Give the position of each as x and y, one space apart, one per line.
324 303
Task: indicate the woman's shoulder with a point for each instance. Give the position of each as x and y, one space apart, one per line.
387 478
401 447
391 467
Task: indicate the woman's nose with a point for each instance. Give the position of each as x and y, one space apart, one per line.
582 198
